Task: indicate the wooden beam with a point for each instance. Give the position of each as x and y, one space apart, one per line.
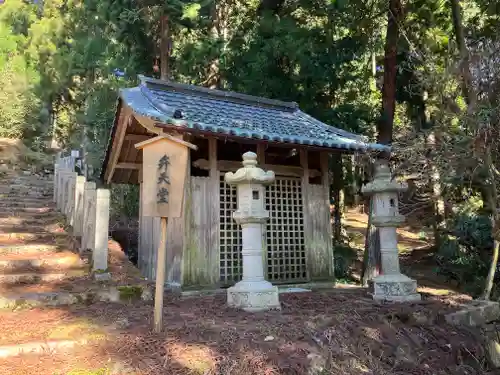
141 145
121 137
137 137
261 153
212 158
325 172
136 166
280 170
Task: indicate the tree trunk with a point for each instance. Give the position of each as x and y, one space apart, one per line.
468 92
165 47
491 273
371 258
386 121
492 207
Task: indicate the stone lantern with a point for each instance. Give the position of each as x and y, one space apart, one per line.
253 292
391 284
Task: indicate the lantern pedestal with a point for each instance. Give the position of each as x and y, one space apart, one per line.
394 288
254 296
253 292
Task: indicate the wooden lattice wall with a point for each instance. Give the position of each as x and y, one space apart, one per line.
284 234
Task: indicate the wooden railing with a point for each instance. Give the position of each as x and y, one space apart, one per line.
86 209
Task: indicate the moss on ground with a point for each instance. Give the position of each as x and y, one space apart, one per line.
130 292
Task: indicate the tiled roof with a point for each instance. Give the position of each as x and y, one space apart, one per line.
234 114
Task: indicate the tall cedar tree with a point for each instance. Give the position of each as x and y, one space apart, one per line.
395 16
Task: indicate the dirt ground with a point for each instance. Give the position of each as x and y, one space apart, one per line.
341 331
336 331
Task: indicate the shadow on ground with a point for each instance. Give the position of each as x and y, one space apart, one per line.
337 331
341 331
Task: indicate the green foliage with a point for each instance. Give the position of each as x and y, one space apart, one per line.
124 202
345 257
464 254
130 292
19 104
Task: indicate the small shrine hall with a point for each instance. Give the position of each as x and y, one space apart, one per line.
204 244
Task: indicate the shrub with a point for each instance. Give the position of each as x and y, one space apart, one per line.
465 252
344 261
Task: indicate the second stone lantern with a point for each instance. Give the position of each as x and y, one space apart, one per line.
253 292
391 284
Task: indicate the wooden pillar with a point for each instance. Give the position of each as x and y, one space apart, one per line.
201 244
214 251
140 247
325 181
261 153
317 228
304 163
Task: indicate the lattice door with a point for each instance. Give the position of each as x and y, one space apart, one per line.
231 267
286 259
286 255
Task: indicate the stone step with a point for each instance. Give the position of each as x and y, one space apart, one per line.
25 196
26 202
20 187
14 184
28 249
31 238
31 210
40 277
22 195
28 222
100 293
16 228
30 262
44 347
33 213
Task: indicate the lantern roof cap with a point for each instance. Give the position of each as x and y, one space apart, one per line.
249 173
383 182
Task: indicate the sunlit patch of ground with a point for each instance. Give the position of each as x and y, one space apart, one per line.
342 330
355 224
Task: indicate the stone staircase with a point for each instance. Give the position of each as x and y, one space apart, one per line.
39 259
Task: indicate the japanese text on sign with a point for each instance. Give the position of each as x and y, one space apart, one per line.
163 180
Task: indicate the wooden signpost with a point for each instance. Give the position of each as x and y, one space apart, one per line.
164 166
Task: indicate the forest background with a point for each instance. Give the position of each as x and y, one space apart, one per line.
422 75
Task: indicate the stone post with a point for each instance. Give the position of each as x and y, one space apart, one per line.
78 209
391 284
253 292
61 175
89 196
64 187
100 255
70 208
56 172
